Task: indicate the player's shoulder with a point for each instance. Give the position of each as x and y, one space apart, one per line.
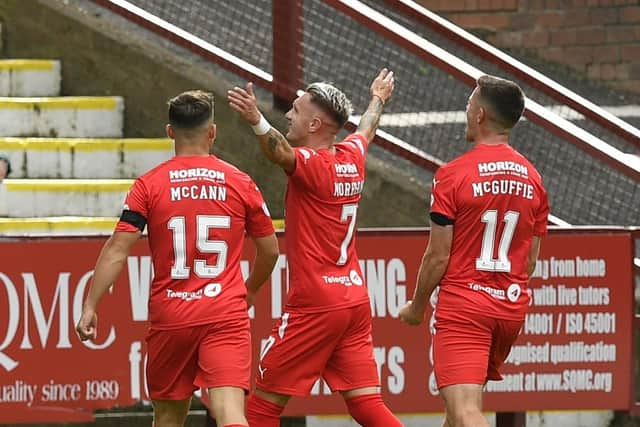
354 142
157 171
231 170
307 152
456 165
521 158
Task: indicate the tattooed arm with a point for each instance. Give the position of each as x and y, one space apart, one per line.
277 149
274 145
381 90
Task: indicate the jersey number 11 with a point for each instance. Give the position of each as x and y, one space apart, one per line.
486 262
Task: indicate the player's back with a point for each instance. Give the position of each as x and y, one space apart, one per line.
198 209
498 203
320 217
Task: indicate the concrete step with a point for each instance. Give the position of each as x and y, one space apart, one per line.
57 225
62 197
29 77
68 226
84 158
66 116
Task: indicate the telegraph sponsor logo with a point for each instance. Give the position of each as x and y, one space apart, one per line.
211 290
352 279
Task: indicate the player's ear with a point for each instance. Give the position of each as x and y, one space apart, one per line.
212 132
170 132
315 125
481 116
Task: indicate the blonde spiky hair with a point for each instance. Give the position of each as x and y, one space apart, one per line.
332 100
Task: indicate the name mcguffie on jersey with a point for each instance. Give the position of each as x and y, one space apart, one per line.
496 187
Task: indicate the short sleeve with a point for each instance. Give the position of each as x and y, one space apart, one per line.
443 193
311 168
542 215
357 144
135 205
258 220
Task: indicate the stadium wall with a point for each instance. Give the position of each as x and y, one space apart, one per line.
104 54
600 39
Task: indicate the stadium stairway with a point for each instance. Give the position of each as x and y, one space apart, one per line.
71 170
71 166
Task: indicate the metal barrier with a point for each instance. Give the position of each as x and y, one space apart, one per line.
425 122
518 69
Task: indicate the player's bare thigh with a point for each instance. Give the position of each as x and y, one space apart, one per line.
463 403
170 413
228 405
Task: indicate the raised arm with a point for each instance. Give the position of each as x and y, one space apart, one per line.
381 90
274 145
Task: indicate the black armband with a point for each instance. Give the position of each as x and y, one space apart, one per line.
134 218
440 219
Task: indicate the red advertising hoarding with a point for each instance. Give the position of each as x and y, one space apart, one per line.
575 351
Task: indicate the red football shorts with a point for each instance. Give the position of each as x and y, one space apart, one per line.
469 348
212 355
303 347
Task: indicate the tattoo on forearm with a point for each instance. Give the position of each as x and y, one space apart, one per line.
275 139
272 143
371 117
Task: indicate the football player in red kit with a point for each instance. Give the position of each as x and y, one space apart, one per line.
488 213
325 331
197 209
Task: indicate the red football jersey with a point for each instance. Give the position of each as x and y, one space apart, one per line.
496 199
197 210
320 227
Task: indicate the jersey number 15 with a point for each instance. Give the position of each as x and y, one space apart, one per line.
177 224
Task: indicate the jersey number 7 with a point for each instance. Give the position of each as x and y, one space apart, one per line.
349 213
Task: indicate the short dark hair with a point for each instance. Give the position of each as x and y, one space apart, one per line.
190 109
5 159
331 100
504 98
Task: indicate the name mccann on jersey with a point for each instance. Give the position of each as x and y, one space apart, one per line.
188 174
502 186
489 168
199 192
346 189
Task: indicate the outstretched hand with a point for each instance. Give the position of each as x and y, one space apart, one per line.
244 102
383 85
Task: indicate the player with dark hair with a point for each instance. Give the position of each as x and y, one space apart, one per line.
197 208
488 213
325 331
